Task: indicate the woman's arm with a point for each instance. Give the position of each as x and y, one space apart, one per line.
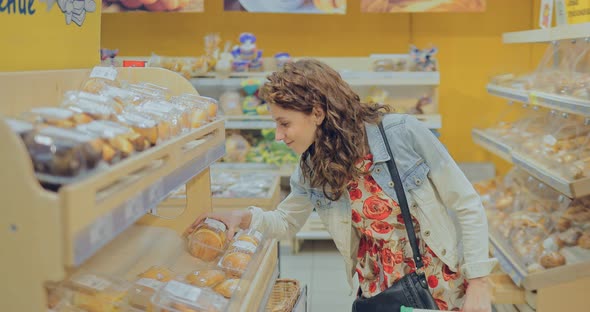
456 193
290 215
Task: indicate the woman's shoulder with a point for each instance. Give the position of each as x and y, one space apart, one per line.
397 120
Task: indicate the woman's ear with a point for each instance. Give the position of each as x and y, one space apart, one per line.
318 115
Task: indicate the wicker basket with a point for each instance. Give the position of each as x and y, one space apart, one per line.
284 295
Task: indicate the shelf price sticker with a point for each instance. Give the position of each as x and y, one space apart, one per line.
533 99
108 73
183 291
134 208
101 231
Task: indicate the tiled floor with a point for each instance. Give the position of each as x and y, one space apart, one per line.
319 266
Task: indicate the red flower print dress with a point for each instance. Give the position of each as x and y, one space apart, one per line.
384 253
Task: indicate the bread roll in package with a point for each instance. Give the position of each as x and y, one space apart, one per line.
209 240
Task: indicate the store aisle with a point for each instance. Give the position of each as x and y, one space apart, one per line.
319 266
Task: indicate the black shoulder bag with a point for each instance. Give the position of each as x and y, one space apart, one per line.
412 289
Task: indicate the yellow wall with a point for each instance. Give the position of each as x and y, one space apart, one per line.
470 44
43 40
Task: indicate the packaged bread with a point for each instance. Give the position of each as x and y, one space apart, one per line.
210 103
52 116
227 287
72 98
198 112
176 296
584 240
122 96
251 236
142 291
180 116
159 273
208 240
143 125
20 127
552 259
237 257
96 293
58 152
99 78
205 278
121 139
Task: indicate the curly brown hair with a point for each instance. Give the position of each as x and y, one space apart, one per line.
340 140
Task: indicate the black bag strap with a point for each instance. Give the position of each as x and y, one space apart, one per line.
403 202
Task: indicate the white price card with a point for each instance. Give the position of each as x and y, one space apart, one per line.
93 282
149 283
101 230
183 291
246 246
108 73
218 225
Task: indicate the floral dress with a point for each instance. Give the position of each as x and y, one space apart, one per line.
384 253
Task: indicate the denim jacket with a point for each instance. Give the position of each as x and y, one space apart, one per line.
440 197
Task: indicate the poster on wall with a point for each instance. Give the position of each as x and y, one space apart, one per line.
121 6
415 6
287 6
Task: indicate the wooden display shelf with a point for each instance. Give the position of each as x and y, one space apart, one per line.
140 247
481 138
52 234
285 170
508 93
268 202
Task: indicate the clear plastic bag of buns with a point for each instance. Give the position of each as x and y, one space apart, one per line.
122 96
240 252
209 240
94 293
59 153
120 138
205 277
99 78
228 287
176 296
198 111
52 116
554 73
178 116
20 127
210 104
96 106
145 286
155 127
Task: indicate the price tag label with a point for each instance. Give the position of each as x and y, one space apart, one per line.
108 73
101 230
134 208
246 246
218 225
149 283
92 282
533 98
183 291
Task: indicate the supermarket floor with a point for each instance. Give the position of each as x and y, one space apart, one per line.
319 266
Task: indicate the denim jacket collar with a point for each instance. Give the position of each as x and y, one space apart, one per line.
376 143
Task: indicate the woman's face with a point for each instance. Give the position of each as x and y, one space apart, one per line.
295 128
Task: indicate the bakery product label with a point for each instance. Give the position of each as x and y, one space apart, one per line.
244 245
150 283
92 282
218 225
183 291
108 73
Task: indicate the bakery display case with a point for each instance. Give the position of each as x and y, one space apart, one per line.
82 194
539 213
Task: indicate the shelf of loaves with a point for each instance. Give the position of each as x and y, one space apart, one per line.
229 197
246 122
551 101
541 241
570 188
141 248
548 35
54 233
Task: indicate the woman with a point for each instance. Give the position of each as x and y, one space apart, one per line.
343 174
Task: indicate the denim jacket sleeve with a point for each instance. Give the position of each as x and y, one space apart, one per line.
456 193
290 215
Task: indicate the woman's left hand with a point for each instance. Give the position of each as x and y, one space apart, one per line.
477 298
